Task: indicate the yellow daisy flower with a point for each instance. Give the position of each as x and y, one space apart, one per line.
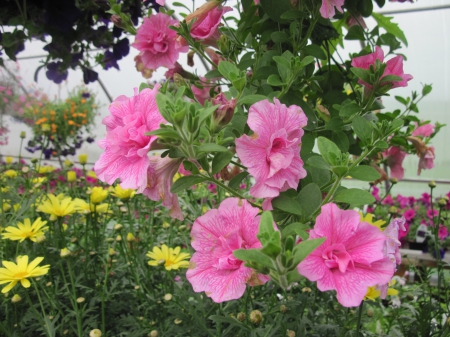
45 169
373 293
170 257
85 208
369 219
38 181
122 194
98 194
10 173
26 230
13 273
91 174
56 207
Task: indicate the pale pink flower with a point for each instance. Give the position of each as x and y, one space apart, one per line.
350 260
215 235
126 145
159 181
394 159
327 10
393 67
157 42
272 153
392 245
425 130
356 19
426 159
161 2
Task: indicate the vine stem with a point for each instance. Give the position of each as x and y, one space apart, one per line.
358 324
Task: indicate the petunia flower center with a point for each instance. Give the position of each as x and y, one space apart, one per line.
336 256
230 243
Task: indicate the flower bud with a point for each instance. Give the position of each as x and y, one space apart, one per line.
68 163
306 289
110 240
153 333
241 316
118 227
283 308
223 44
130 237
71 176
118 238
256 317
432 184
177 321
117 21
95 333
111 252
80 299
40 239
225 112
392 210
65 253
23 134
442 202
16 298
9 160
393 181
83 158
167 297
369 312
34 160
25 169
290 333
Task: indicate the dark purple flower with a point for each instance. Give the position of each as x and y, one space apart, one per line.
48 153
110 61
121 48
90 140
89 75
117 31
85 94
54 72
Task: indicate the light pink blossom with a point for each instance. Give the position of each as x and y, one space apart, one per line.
126 145
272 153
215 235
161 2
426 159
160 175
425 130
327 10
394 159
157 42
393 67
350 260
392 245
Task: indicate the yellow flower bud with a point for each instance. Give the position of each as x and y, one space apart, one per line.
65 253
9 160
80 299
130 237
167 297
95 333
71 176
16 298
98 194
83 158
256 317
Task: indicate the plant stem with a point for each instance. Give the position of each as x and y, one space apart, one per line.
358 323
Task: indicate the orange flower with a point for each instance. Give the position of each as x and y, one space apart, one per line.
83 101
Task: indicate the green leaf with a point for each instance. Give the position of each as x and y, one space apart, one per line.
293 228
349 110
329 150
221 160
341 140
354 196
390 27
227 68
293 14
381 144
307 60
304 248
274 9
254 255
316 51
335 123
274 80
426 89
185 182
213 74
364 173
310 199
164 133
251 99
318 162
362 74
287 204
279 37
391 78
395 124
211 147
236 181
355 33
266 223
362 128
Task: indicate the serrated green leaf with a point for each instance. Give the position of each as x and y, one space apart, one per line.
390 27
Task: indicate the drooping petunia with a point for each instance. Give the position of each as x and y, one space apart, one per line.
272 153
328 8
350 260
394 158
126 145
215 235
425 130
160 174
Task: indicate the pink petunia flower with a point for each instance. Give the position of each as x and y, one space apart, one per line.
409 215
272 153
207 22
160 175
442 232
394 158
327 10
215 235
157 42
350 260
126 145
161 2
392 245
426 159
393 67
425 130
